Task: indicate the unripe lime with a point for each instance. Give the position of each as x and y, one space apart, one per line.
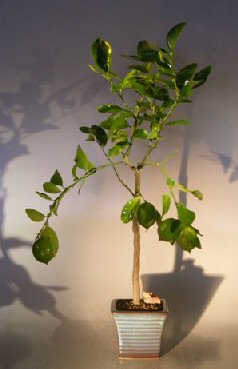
43 250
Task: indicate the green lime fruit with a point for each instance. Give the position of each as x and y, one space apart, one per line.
43 250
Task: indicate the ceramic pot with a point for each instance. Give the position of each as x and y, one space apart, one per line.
139 333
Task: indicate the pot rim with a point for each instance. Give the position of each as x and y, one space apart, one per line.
165 310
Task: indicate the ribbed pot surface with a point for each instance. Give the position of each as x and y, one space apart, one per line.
139 333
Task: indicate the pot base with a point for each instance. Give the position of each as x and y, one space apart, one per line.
135 356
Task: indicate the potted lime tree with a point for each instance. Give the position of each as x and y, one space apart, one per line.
148 95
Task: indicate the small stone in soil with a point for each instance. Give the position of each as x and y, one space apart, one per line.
127 305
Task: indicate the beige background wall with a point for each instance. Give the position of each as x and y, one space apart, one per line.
45 49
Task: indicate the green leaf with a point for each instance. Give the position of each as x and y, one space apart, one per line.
170 83
170 182
95 133
146 52
102 54
90 138
132 82
185 100
119 122
168 103
201 76
166 203
106 124
116 150
138 86
143 105
186 92
81 159
161 94
140 133
174 34
185 74
34 215
180 122
51 188
154 133
166 72
146 214
148 55
143 45
197 194
44 196
129 209
164 60
84 129
120 137
109 108
46 247
99 134
169 230
74 171
158 217
188 239
57 179
185 215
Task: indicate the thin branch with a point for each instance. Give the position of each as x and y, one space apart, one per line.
77 180
161 163
165 174
116 172
153 146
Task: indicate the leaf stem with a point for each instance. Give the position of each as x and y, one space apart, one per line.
165 174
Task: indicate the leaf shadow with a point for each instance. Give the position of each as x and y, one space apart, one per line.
188 294
25 111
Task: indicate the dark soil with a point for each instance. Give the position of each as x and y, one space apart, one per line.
127 305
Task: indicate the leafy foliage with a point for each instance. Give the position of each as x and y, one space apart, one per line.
157 87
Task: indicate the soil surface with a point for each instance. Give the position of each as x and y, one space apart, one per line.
127 305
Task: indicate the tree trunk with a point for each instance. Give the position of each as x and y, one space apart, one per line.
136 260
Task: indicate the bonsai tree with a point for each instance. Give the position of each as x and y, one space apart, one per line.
156 89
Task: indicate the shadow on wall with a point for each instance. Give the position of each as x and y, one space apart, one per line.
13 348
16 284
188 293
227 163
23 113
187 289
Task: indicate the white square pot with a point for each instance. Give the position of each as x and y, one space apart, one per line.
139 333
